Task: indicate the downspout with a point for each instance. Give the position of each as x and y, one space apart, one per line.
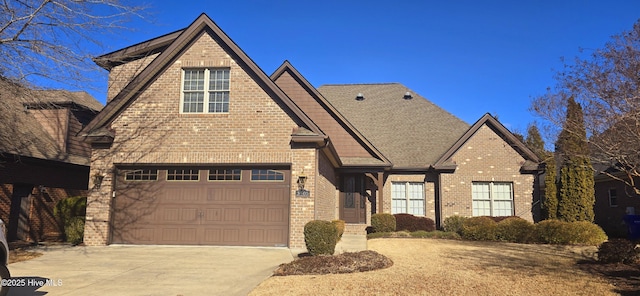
438 201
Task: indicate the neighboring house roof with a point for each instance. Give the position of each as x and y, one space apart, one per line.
22 135
411 132
63 98
377 159
531 160
170 47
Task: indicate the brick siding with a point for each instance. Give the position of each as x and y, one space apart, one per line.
486 157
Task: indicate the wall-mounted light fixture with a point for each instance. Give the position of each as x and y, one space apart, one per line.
302 178
97 180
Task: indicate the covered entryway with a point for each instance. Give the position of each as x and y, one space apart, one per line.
352 199
202 206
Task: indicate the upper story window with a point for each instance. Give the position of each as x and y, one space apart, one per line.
205 90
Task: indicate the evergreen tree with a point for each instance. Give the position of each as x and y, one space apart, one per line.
550 200
550 203
575 184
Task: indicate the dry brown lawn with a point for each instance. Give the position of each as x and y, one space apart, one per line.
448 267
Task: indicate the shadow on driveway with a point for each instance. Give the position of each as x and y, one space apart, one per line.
145 270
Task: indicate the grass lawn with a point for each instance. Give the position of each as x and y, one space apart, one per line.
450 267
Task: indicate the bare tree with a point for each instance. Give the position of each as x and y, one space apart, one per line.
607 85
54 40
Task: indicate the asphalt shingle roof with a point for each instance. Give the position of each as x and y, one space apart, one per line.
410 132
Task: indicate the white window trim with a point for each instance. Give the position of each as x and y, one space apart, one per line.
205 108
491 197
408 199
609 194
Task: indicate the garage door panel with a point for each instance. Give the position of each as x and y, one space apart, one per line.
202 212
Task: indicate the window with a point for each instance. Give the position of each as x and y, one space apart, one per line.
492 199
141 175
205 90
407 197
266 175
224 175
613 197
183 175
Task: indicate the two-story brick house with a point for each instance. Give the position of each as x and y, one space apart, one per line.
197 145
41 159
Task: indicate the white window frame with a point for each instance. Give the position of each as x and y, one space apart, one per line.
206 91
613 197
480 198
407 201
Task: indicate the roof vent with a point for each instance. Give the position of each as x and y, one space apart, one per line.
407 96
359 97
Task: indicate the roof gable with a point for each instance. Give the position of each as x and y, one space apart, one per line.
411 132
173 45
531 159
328 121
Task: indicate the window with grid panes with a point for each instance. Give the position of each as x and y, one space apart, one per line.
205 90
407 197
492 199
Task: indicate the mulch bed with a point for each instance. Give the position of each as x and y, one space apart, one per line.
625 277
343 263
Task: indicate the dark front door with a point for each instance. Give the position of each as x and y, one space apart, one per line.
352 199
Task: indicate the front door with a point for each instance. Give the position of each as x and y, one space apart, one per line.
352 199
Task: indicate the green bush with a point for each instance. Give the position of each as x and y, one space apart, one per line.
340 225
585 233
320 237
479 228
74 231
618 250
569 233
514 229
68 212
454 224
383 222
551 232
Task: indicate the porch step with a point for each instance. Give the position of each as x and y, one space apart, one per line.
355 229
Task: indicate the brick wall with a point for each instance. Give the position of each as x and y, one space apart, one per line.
429 192
152 130
486 157
327 191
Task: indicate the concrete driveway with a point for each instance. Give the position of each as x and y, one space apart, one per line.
146 270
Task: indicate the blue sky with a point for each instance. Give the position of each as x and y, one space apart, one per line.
468 57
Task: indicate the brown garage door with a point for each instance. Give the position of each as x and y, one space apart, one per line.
195 206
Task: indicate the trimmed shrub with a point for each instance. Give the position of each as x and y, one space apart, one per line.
454 224
74 231
340 225
68 211
412 223
585 233
383 222
479 228
320 237
618 250
501 218
569 233
435 234
551 232
514 229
